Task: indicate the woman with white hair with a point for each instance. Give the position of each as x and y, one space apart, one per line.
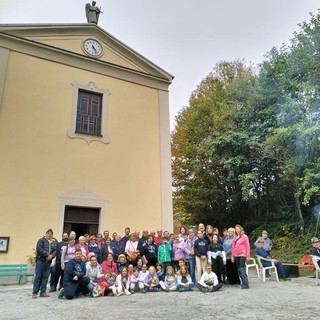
231 269
83 247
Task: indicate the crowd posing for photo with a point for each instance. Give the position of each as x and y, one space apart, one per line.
100 265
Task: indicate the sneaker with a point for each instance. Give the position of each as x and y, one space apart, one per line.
284 279
53 289
143 291
34 296
205 290
120 294
132 291
44 295
61 294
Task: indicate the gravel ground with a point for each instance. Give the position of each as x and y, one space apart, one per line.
296 299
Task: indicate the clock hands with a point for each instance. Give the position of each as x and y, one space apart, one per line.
95 50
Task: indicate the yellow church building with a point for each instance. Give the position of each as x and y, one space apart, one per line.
84 136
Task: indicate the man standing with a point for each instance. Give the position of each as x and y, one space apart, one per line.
126 235
143 240
158 238
74 280
267 242
45 252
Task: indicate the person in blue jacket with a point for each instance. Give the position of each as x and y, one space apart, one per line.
74 280
266 261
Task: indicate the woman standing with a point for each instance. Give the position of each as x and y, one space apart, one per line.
93 247
208 234
149 253
231 268
131 249
240 253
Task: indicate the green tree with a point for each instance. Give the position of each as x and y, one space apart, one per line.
204 139
290 78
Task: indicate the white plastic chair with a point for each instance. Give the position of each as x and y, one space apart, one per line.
315 260
252 264
272 267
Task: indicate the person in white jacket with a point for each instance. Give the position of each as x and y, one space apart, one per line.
184 280
94 273
123 283
170 281
209 281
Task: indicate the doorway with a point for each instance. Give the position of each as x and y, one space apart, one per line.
82 220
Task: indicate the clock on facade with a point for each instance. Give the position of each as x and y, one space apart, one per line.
92 48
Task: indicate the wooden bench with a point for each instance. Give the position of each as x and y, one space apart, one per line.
14 270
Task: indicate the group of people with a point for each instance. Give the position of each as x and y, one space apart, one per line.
101 265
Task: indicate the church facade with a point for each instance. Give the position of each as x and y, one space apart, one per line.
84 135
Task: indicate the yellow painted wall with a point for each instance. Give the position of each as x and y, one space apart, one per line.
39 162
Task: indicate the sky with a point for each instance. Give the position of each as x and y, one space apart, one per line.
187 38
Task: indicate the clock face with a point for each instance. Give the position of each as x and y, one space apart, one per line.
93 48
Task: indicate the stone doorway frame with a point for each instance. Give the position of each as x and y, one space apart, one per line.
83 198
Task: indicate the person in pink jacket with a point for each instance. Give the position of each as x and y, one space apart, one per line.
240 253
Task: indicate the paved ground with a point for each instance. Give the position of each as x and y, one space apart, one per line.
296 299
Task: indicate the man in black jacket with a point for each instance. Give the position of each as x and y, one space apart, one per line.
45 251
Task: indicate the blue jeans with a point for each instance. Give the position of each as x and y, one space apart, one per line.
192 269
190 286
41 276
280 269
90 285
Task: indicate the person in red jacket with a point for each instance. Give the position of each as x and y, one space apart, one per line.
109 265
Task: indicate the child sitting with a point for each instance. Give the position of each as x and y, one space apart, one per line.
152 282
181 264
139 264
209 281
136 285
144 273
160 273
184 280
108 284
130 270
170 281
123 283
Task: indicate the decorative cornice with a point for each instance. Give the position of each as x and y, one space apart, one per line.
83 195
40 30
72 59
